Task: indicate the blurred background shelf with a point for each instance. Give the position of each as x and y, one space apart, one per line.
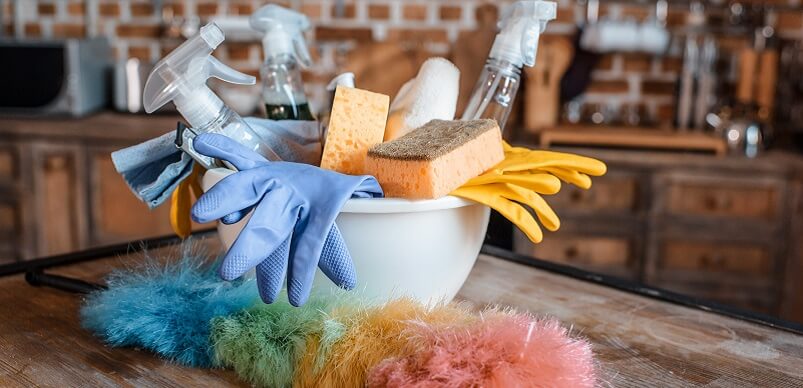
633 138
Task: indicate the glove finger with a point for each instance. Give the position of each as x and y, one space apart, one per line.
533 160
222 147
514 212
267 229
545 214
336 262
305 253
271 272
233 193
539 182
578 179
233 218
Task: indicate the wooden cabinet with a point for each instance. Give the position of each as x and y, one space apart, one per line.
722 229
792 301
117 215
59 191
616 193
720 197
60 201
729 258
612 255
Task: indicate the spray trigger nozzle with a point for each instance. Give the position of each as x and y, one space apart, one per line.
284 32
223 72
520 29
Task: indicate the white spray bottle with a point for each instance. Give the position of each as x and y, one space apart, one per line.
285 53
515 45
181 77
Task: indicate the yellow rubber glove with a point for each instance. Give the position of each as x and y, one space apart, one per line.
181 201
508 200
517 181
518 159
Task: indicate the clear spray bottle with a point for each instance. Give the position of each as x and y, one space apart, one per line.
181 77
285 54
515 45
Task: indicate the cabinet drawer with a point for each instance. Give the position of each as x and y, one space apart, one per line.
117 215
724 198
9 164
9 220
715 257
610 255
612 193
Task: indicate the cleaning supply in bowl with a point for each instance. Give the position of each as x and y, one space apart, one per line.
285 54
436 158
181 77
515 46
357 123
153 169
347 80
292 227
520 180
432 94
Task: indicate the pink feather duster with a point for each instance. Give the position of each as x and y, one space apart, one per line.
499 350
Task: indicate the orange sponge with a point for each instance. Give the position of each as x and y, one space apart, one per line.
357 122
436 158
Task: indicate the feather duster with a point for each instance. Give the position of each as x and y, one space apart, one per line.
371 335
500 350
263 344
166 307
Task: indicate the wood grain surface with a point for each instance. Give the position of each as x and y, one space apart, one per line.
642 342
639 341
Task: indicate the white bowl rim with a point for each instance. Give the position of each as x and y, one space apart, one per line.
401 205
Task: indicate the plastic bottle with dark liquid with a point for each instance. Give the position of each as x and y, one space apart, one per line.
285 54
289 112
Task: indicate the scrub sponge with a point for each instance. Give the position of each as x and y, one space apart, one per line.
436 158
357 122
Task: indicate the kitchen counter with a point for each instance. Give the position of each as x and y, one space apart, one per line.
639 337
100 127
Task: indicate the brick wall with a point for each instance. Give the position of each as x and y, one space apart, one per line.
644 82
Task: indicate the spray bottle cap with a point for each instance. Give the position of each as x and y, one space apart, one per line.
284 32
345 79
521 26
181 77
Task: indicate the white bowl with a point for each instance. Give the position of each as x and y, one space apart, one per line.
422 249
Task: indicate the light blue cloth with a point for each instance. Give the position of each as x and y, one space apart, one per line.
292 227
155 168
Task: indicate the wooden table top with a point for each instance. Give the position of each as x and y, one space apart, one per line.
639 341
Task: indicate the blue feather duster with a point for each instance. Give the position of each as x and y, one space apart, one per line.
166 307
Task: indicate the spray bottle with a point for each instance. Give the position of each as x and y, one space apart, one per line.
181 77
285 53
515 45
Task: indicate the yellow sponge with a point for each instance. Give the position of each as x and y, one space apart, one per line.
357 123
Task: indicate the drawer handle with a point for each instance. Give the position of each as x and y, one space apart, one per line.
718 203
571 252
576 196
713 262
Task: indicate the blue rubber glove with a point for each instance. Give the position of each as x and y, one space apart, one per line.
292 229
